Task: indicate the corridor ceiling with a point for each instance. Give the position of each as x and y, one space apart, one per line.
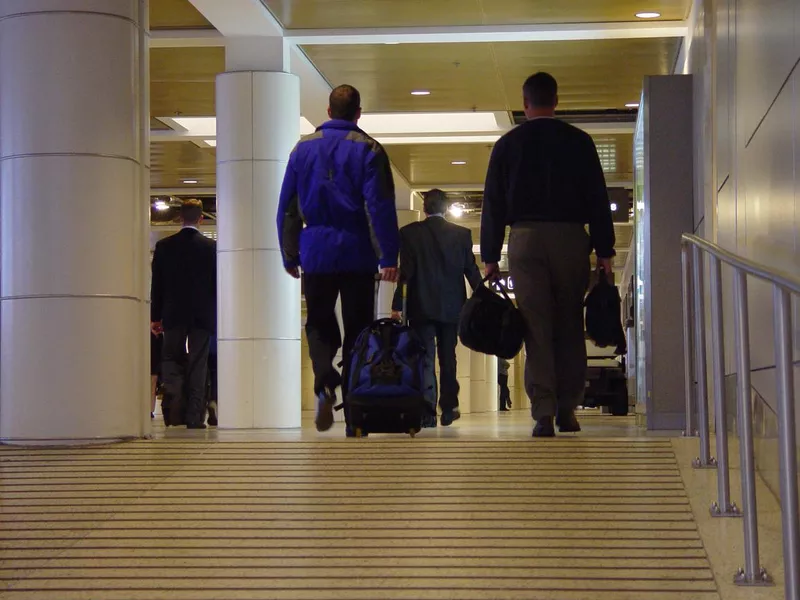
595 75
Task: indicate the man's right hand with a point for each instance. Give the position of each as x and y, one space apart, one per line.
389 274
157 328
294 272
492 271
605 264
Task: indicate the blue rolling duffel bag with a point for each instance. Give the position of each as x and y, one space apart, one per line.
385 391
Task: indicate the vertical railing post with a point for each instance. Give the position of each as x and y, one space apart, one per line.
688 350
787 443
705 460
723 507
752 574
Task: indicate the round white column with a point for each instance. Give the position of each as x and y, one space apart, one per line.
464 360
73 221
477 382
492 389
258 121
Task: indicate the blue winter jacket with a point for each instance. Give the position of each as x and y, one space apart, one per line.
337 209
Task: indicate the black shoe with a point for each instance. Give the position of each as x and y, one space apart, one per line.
544 428
429 421
505 409
153 415
449 416
326 399
212 415
195 426
567 422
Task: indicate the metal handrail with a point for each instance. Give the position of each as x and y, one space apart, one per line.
693 251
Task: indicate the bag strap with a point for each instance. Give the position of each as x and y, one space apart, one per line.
501 286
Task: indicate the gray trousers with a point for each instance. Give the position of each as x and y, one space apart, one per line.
549 263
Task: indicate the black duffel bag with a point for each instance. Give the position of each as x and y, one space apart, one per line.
490 323
604 315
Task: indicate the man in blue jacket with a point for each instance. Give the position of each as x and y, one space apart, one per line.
337 221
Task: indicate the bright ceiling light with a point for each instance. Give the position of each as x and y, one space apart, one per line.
437 139
429 123
632 105
613 207
648 15
206 127
190 181
458 162
420 93
160 205
456 210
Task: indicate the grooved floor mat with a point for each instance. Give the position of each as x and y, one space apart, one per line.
384 518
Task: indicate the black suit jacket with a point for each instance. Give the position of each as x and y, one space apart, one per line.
435 256
184 286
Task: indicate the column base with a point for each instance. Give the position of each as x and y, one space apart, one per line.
261 379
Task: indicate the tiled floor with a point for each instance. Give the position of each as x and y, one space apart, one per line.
475 512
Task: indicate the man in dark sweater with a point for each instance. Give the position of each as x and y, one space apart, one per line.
545 181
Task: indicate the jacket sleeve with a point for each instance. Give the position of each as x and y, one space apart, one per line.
471 270
290 220
156 287
601 224
408 267
379 196
495 211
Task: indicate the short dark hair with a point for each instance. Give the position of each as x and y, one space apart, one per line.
191 211
541 90
345 102
435 202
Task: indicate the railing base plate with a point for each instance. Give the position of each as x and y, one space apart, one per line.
730 511
698 463
763 579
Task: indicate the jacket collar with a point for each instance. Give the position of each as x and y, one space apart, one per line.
339 124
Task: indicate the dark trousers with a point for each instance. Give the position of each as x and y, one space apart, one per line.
504 400
550 267
322 327
440 338
185 373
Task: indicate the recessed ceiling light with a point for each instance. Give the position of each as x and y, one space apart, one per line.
190 181
648 15
456 210
458 162
632 105
613 206
420 93
161 205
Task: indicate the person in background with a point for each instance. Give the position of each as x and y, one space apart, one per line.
545 180
184 309
504 399
155 370
435 257
337 221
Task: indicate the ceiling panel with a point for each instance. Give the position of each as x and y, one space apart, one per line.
172 162
593 74
331 14
182 81
461 76
176 14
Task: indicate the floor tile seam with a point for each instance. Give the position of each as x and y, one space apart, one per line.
697 524
88 532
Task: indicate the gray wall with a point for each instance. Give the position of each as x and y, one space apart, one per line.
756 212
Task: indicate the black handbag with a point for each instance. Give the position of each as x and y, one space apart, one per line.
604 316
490 323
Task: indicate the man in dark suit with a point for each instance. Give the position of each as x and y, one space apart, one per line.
184 308
435 256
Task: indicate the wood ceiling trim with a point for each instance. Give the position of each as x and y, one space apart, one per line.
176 14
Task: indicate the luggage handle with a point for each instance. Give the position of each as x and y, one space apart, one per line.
403 291
500 285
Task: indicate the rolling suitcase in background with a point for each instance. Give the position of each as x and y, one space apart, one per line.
386 379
